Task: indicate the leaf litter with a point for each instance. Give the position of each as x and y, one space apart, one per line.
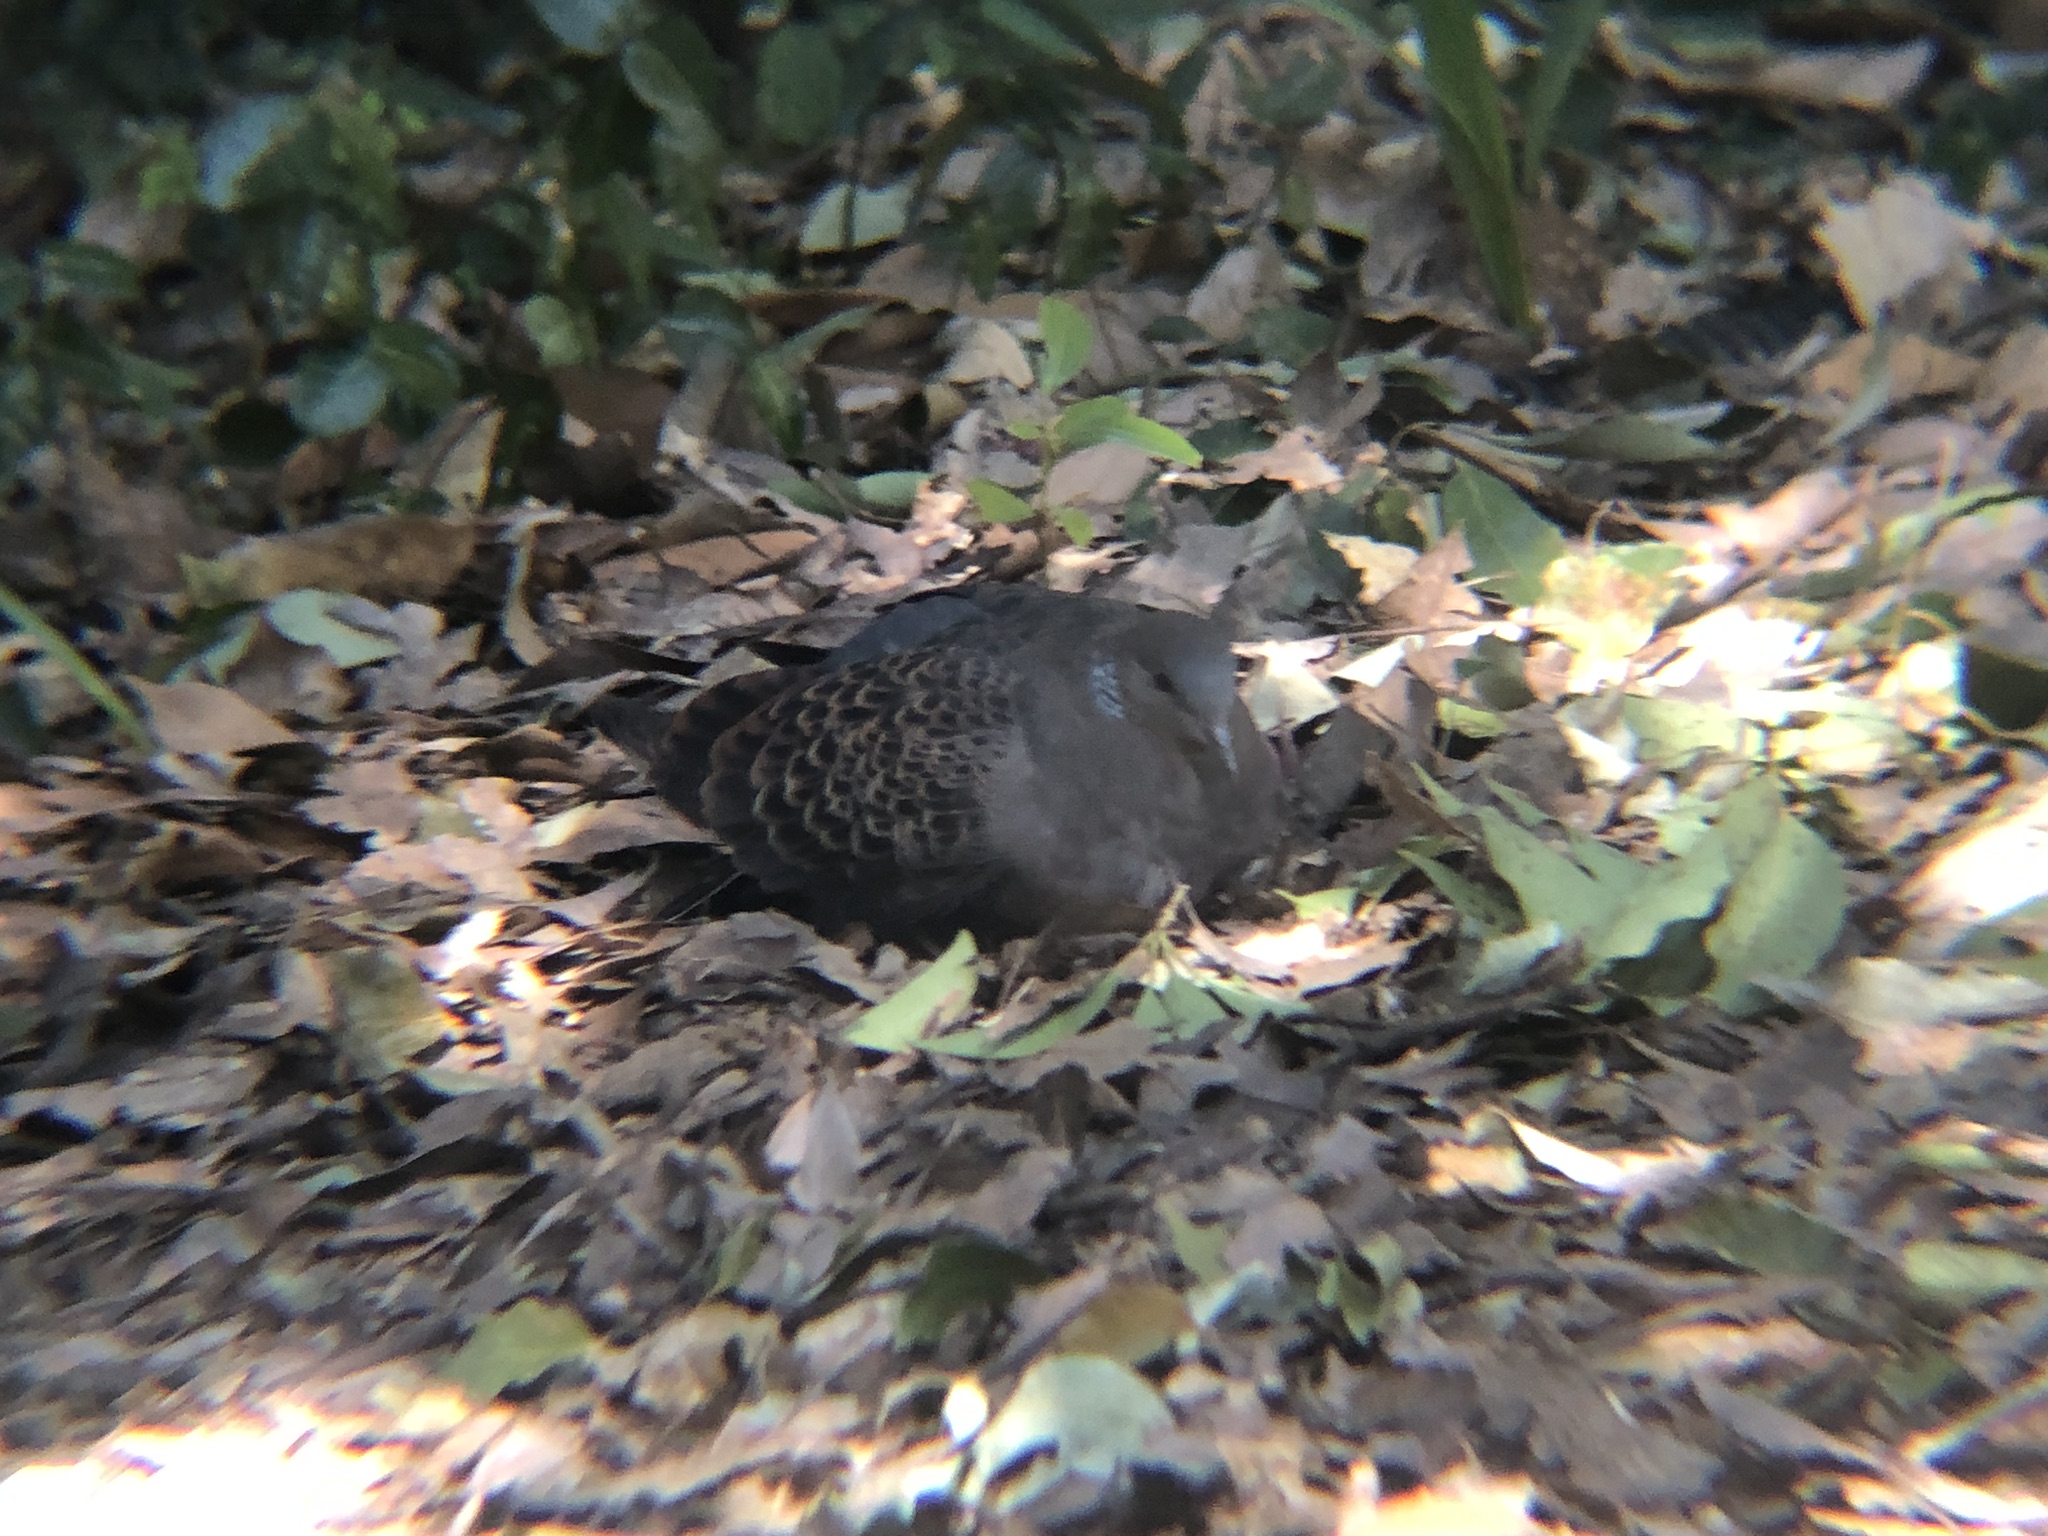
1622 1118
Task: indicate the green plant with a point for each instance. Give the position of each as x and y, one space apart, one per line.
416 206
1067 338
1472 115
1748 895
1473 128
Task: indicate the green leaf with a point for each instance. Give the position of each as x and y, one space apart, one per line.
1179 1010
703 322
1463 719
86 676
1631 438
774 390
1252 1005
801 86
313 619
153 388
1090 219
662 89
238 142
1613 907
170 176
1076 525
1547 885
357 146
619 220
1304 93
1088 422
1289 334
741 1248
325 275
517 1345
1093 1413
1648 559
1358 1301
91 272
1971 1274
1201 1247
1475 143
1790 898
1068 339
1572 26
335 393
936 996
960 1273
421 367
1511 544
1336 901
997 504
848 218
1603 607
588 26
1760 1233
1672 732
1108 419
1448 804
1678 890
1030 26
1519 805
977 1044
553 329
891 490
802 349
1476 904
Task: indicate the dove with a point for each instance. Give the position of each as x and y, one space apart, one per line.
1007 758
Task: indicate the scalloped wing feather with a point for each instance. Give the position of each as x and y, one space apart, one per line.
874 769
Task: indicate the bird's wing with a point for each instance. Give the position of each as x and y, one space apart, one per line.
876 770
675 745
907 626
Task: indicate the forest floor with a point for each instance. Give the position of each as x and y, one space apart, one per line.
1629 1114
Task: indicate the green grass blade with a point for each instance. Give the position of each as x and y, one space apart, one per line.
72 660
1564 49
1475 141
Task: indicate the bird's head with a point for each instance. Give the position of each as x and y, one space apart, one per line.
1168 671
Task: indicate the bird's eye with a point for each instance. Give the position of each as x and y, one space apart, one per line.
1163 681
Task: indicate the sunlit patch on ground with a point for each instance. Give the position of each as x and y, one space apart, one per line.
234 1476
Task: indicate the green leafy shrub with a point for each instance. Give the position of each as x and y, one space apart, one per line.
411 205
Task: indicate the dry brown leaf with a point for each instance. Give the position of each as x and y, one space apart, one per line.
732 558
376 795
1106 475
1915 369
1245 279
1129 1320
202 720
1870 79
583 832
1902 239
394 557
